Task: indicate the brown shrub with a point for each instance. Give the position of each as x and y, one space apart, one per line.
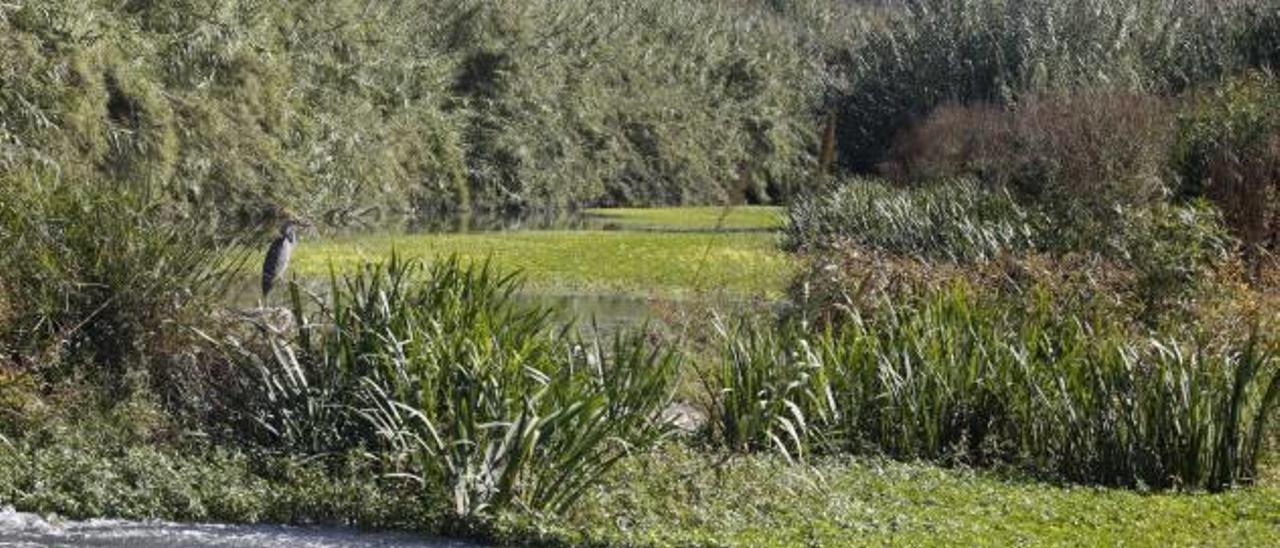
1248 191
852 278
1096 148
1228 150
954 140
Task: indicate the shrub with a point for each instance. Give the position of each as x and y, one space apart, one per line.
1155 264
949 375
1228 150
450 382
102 275
1171 250
1080 154
954 140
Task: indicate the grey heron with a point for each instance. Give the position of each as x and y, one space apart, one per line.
278 254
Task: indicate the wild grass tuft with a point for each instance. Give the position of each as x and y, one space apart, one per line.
955 220
443 378
951 376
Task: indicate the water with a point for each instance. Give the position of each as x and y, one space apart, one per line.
18 529
609 313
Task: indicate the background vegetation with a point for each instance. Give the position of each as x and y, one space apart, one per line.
1046 249
344 109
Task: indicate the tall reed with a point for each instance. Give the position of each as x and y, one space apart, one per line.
446 379
999 51
950 376
957 220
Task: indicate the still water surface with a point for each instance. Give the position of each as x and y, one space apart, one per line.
18 529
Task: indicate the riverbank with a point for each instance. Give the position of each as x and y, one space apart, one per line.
674 496
75 453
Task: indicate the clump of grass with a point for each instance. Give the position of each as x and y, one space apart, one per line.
950 376
956 220
445 379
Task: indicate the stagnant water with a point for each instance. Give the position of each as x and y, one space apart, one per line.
589 311
18 529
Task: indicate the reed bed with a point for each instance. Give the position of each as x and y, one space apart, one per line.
951 376
958 220
999 51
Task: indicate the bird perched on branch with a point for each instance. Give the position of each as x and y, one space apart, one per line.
278 254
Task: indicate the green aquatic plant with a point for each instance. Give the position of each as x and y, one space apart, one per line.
444 378
948 375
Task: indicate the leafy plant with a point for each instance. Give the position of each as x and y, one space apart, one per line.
951 376
446 379
1000 52
768 394
1228 150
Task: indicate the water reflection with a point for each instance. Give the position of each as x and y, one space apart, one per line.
605 314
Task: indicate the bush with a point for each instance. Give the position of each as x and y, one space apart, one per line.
1155 262
101 274
1079 155
347 111
1228 150
1171 251
449 381
952 376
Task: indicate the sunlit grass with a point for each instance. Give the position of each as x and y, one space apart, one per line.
677 498
693 218
644 263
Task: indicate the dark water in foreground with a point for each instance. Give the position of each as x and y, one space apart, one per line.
19 529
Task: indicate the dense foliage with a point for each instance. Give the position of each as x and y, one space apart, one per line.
102 275
1228 149
1001 51
344 109
451 382
948 374
960 220
1043 278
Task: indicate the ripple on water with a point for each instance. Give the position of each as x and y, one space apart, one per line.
19 529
